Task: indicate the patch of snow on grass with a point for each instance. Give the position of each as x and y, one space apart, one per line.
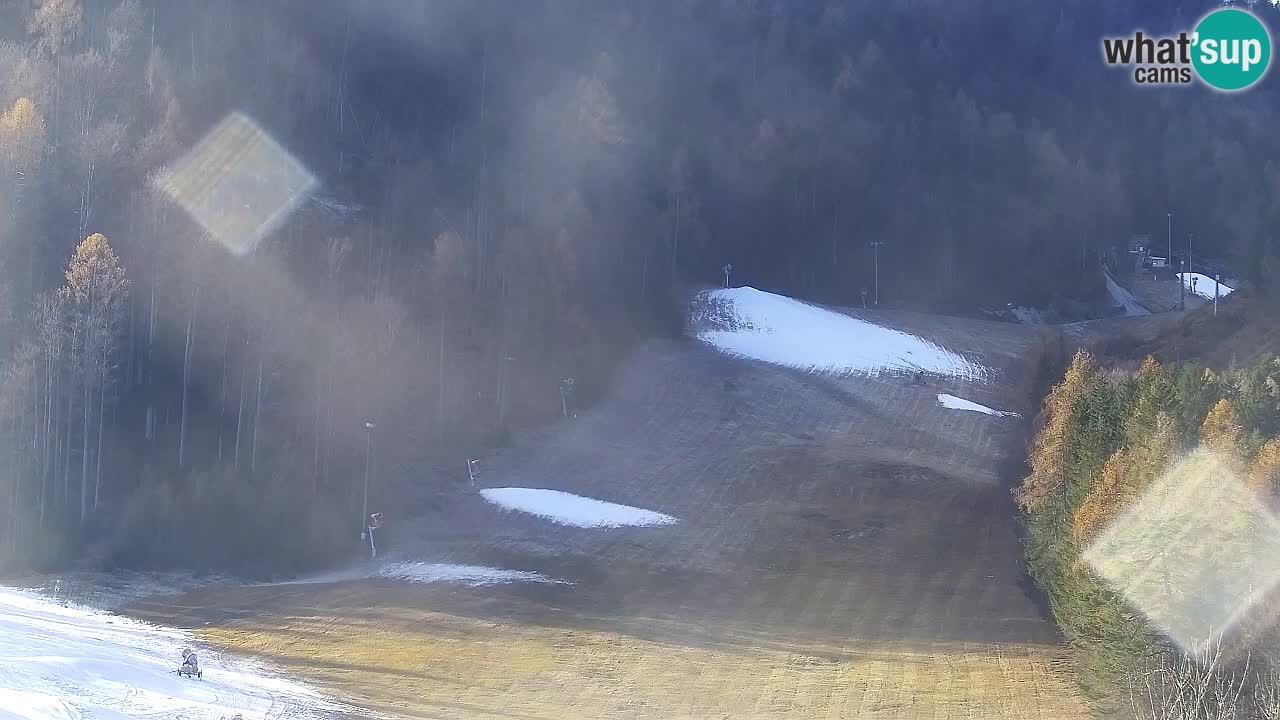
72 662
422 572
569 509
955 403
462 574
751 323
1202 285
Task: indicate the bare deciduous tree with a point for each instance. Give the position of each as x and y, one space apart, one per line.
49 325
1266 695
55 23
1194 685
96 290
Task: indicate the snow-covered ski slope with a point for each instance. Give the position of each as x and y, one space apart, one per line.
68 663
783 331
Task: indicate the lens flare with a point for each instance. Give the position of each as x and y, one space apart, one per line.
238 183
1195 552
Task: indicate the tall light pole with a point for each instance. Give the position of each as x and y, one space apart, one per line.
368 459
1182 285
566 387
877 245
1190 266
1170 255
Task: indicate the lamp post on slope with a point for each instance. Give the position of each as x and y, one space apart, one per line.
1182 284
368 461
566 388
876 244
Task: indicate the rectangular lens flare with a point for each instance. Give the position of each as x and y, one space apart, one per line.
238 183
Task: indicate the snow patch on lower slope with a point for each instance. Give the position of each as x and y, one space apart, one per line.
954 403
569 509
61 662
424 572
461 574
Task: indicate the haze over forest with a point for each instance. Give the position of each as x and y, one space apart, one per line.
510 194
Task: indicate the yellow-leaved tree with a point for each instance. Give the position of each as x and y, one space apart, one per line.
22 135
1264 471
1048 453
1104 499
1221 430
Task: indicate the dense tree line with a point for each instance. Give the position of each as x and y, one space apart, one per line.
168 402
1105 440
511 196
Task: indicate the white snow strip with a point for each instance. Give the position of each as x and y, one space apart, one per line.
569 509
1202 285
954 403
462 574
61 662
421 572
751 323
1124 298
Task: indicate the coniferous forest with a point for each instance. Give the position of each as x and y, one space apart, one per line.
1178 465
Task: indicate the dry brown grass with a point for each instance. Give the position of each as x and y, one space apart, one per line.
414 663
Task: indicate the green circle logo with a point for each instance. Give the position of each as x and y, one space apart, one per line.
1231 49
